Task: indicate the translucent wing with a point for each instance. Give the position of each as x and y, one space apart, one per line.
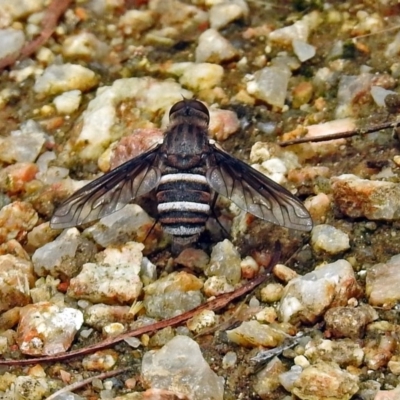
254 192
110 192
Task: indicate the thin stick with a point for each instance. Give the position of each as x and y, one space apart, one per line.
393 28
49 24
216 304
341 135
78 385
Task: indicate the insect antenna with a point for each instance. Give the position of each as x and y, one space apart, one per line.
214 214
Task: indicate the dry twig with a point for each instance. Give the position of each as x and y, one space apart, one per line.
342 135
78 385
216 304
49 24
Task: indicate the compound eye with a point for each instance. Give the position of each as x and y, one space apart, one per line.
189 108
199 106
177 107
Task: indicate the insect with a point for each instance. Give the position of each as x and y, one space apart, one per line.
185 170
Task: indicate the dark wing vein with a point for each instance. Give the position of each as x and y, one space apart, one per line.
255 193
110 192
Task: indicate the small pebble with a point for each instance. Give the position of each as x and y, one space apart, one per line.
201 321
13 178
216 285
302 94
223 124
284 36
193 258
127 224
270 85
16 279
307 297
62 78
229 360
172 295
345 353
134 22
379 351
197 76
267 381
328 239
349 322
271 292
114 329
225 261
394 365
303 50
180 366
16 219
253 334
68 102
284 273
63 257
100 315
85 45
102 360
249 267
325 381
382 283
267 315
11 41
375 200
379 94
318 206
47 329
222 13
214 48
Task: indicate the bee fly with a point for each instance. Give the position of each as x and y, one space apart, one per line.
185 170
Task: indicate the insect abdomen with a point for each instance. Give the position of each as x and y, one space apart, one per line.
183 203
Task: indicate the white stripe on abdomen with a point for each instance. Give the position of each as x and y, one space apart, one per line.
183 177
183 230
183 206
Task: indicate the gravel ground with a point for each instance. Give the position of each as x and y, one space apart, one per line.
87 85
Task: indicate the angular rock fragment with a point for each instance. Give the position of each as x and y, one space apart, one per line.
23 145
12 41
349 322
222 13
16 279
197 76
173 295
267 383
343 352
129 223
102 360
114 280
375 200
214 48
47 329
253 334
180 367
307 297
62 78
63 257
270 85
100 315
328 239
383 282
325 381
225 261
